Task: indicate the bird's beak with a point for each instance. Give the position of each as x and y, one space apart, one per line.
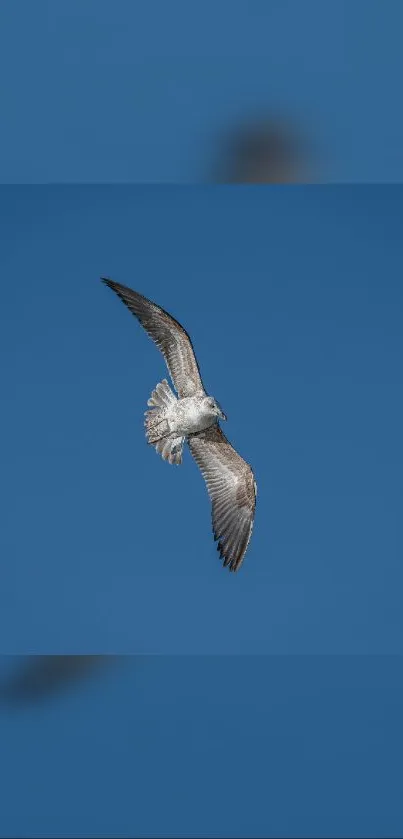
222 415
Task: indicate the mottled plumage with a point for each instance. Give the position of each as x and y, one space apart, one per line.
194 417
232 489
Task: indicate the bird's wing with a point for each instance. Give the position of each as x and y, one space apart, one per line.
169 336
232 489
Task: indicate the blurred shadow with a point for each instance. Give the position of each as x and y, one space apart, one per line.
264 150
40 677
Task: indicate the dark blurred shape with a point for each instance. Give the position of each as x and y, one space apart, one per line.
262 151
43 676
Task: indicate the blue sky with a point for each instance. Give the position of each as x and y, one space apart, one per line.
95 90
211 746
293 298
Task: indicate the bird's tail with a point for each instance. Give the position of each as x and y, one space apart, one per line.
162 396
157 425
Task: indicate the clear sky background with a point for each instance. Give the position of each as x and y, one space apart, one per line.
115 90
217 746
293 298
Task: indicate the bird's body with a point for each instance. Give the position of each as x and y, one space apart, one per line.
193 416
190 415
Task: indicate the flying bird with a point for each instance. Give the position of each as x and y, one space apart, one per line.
193 416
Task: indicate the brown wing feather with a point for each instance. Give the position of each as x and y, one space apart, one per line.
232 489
170 337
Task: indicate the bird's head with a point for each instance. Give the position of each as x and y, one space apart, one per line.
214 408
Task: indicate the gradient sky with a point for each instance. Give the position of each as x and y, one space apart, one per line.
293 298
95 90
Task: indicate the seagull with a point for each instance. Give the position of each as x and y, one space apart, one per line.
193 416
